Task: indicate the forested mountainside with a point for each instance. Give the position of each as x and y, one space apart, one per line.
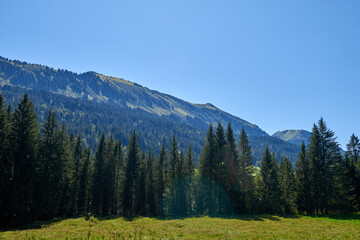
90 103
293 136
97 87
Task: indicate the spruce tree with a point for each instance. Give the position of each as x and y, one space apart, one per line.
24 139
98 182
270 183
316 170
6 163
303 181
160 181
221 174
65 156
149 184
189 172
287 186
85 183
207 169
246 170
132 188
49 168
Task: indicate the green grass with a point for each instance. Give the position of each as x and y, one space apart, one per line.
243 227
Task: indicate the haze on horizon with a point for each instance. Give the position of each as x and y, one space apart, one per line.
279 64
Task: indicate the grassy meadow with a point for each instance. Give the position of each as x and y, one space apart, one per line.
243 227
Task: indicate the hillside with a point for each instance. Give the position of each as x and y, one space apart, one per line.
91 103
99 88
293 136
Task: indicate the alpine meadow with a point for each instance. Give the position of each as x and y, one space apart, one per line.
179 120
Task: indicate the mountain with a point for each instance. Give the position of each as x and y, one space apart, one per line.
293 136
90 103
100 88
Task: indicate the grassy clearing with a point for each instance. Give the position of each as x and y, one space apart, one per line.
243 227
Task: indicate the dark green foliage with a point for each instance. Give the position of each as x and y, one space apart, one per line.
85 183
189 183
49 169
270 196
98 181
287 186
132 189
6 163
24 140
246 171
50 174
303 181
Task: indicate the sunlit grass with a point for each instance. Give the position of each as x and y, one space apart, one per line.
243 227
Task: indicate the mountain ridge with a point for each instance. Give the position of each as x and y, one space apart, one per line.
151 107
94 86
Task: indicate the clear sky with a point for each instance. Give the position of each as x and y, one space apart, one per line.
278 64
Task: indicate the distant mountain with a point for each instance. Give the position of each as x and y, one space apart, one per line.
91 102
293 136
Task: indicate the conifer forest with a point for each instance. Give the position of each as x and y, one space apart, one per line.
48 172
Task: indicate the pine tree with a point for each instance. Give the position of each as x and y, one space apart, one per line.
24 139
303 181
287 186
246 170
270 183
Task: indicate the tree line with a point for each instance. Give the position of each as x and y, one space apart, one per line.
48 173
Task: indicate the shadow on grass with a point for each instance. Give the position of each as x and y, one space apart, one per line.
338 216
33 225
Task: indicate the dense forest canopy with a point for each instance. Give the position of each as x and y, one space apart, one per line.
47 172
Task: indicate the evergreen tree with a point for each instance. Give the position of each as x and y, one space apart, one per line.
24 139
85 183
287 186
207 169
174 174
98 187
270 183
353 167
131 188
246 170
221 174
6 163
77 157
149 185
49 169
303 181
316 169
159 173
189 172
65 155
119 172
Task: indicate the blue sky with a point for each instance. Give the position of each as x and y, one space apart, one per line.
278 64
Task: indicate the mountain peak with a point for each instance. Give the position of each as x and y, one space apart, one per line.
293 136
